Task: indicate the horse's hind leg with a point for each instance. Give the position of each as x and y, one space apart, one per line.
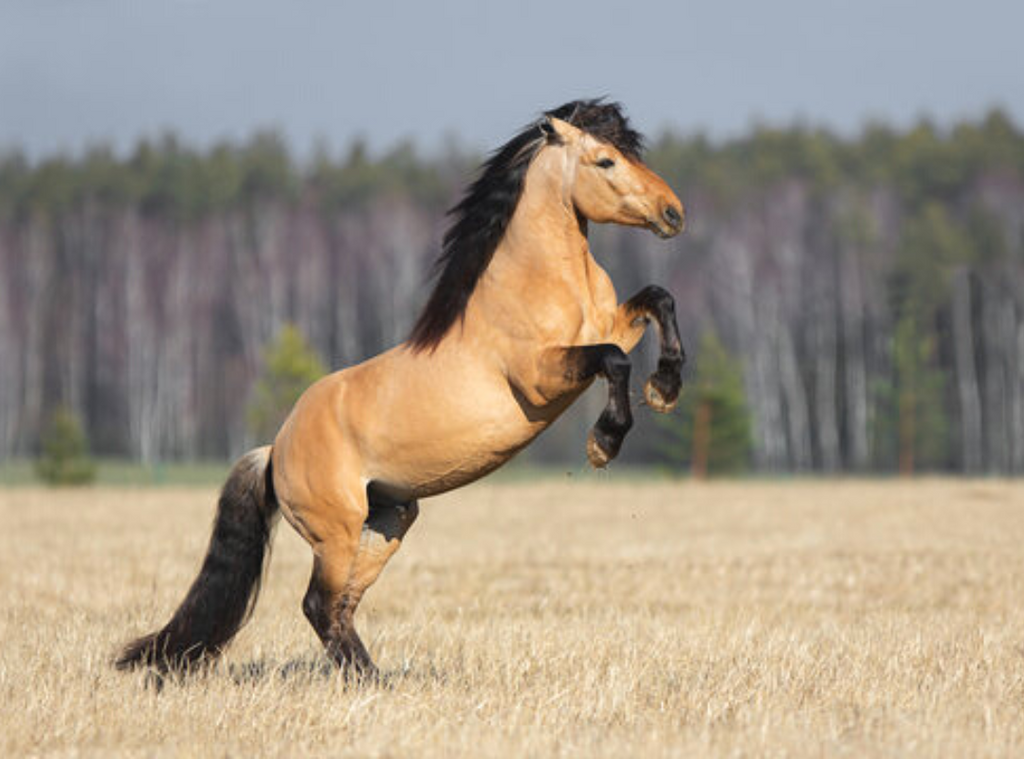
329 611
343 570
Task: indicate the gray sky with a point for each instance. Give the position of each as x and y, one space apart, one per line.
74 72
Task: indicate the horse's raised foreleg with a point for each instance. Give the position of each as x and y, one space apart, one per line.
581 364
654 303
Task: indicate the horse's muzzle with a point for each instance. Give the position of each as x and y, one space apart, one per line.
674 218
671 223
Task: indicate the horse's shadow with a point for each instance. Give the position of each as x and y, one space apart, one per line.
297 670
303 670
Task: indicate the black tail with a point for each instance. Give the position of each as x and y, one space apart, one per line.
223 595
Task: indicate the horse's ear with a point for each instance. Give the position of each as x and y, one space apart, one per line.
548 130
559 131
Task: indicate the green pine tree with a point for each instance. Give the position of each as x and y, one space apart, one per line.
64 458
290 366
911 424
911 429
710 433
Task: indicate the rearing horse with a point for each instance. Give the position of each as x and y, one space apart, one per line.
521 321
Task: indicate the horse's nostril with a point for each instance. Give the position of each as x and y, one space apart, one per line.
673 217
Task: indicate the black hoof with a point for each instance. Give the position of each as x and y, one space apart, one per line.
661 391
602 447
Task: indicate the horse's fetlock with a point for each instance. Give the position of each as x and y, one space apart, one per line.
614 423
671 364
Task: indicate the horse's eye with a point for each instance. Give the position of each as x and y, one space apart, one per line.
605 163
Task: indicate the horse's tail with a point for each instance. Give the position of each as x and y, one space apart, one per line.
223 595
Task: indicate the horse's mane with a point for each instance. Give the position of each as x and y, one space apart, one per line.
480 218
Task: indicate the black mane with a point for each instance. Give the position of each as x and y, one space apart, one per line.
480 219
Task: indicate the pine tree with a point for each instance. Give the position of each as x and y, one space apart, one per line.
64 459
711 431
912 428
290 366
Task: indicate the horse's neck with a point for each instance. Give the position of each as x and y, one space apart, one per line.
545 249
542 284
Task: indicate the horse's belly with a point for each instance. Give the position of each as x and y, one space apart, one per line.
437 454
427 437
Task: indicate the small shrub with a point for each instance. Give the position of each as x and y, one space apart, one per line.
290 365
64 459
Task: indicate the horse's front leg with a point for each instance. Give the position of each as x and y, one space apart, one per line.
582 363
654 303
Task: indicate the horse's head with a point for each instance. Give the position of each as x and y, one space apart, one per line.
605 185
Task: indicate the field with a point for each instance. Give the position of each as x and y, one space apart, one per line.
578 618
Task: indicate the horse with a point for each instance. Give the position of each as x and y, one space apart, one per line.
520 322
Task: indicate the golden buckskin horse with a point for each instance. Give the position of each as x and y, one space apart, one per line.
520 322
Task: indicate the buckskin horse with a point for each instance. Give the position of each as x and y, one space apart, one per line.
520 322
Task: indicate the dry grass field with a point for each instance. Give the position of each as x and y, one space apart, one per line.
596 618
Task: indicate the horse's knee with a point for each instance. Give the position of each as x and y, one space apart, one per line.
616 364
653 299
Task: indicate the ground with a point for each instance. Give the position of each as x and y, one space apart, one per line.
599 618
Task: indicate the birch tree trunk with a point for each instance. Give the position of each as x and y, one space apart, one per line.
144 381
40 267
795 396
12 357
1017 415
997 442
825 372
971 449
851 294
760 370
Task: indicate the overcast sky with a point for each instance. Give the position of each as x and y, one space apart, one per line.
74 72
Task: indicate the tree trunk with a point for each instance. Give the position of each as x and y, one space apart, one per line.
701 439
995 408
855 371
1017 458
966 376
907 432
825 384
795 396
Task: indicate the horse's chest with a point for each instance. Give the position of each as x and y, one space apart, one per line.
598 312
578 320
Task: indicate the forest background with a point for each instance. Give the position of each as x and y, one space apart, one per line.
863 294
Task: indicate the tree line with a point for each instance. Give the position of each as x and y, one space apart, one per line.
868 291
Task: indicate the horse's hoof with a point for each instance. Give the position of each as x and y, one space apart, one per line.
597 455
656 400
362 673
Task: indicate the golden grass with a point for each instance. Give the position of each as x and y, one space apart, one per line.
578 619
